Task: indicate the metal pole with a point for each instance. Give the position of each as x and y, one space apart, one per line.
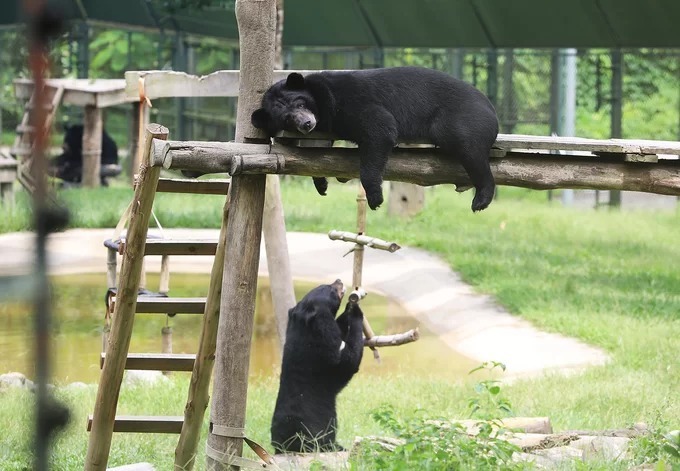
616 110
492 76
563 112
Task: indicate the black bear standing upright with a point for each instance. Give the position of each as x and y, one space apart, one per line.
378 108
320 356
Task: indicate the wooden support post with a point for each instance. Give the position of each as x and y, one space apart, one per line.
166 342
197 402
359 261
257 24
405 199
237 316
164 279
92 146
141 121
111 267
276 247
126 301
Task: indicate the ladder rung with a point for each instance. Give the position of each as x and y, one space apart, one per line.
25 128
145 423
206 187
180 247
47 106
21 151
154 305
157 361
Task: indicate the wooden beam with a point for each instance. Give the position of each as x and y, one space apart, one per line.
123 318
161 84
204 187
144 423
156 361
153 305
425 167
180 247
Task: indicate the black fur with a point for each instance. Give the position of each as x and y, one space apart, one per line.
315 369
378 108
69 165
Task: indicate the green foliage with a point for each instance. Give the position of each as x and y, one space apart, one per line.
428 443
659 445
488 404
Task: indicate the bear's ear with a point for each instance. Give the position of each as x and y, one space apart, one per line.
261 119
295 81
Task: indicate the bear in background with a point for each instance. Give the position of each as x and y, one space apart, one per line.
378 108
320 356
69 165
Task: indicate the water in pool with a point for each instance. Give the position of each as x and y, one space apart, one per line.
78 309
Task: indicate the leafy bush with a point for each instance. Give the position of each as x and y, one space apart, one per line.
426 443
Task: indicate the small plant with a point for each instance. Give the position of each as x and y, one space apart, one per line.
440 444
658 446
489 404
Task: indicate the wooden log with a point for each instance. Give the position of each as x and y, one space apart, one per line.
362 239
392 340
92 146
278 263
427 167
121 328
526 425
197 401
257 24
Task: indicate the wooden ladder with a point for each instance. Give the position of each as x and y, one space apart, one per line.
22 149
126 301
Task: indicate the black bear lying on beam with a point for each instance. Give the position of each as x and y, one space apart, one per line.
320 356
378 108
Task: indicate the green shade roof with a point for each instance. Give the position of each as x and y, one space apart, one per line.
413 23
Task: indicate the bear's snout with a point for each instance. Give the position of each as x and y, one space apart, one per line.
339 287
305 121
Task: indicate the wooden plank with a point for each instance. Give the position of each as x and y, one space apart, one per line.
100 93
149 305
144 423
156 361
517 142
160 83
180 247
188 185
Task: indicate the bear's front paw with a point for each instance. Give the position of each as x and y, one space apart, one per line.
321 185
374 199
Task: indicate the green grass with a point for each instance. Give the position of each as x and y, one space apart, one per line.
609 278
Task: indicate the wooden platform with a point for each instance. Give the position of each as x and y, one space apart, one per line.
99 93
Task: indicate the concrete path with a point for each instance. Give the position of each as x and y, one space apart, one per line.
470 323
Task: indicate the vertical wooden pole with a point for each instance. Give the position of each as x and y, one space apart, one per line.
276 247
197 402
359 260
124 314
257 24
166 342
92 146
